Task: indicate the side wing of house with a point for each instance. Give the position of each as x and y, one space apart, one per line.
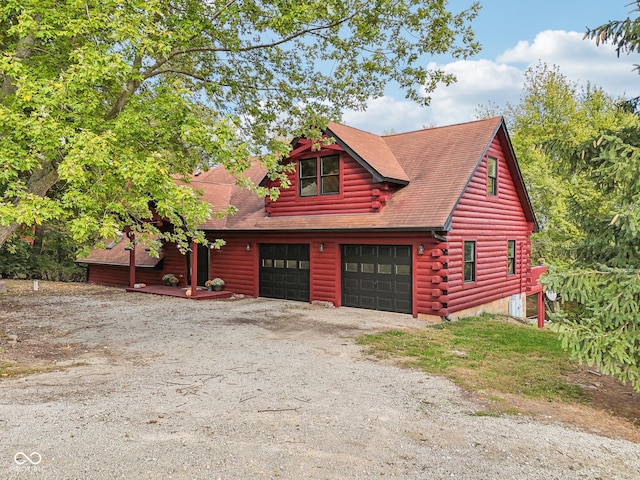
489 241
110 265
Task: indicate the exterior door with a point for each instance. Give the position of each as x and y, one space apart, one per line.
377 277
203 265
284 271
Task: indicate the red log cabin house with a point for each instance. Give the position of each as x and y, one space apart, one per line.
435 223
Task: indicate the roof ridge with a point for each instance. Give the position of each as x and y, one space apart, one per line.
353 128
441 127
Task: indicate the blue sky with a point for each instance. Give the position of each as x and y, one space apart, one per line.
515 35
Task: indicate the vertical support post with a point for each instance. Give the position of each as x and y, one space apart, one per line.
132 259
194 269
540 309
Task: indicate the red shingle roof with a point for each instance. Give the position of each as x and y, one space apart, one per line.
220 190
436 164
372 151
119 256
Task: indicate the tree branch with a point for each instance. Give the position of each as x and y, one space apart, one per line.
132 86
23 52
40 182
208 80
151 71
222 9
181 72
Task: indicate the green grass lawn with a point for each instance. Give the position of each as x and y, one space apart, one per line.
488 353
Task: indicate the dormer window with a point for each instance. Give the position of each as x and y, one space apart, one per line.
323 172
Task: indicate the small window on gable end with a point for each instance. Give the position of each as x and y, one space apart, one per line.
511 257
469 262
492 176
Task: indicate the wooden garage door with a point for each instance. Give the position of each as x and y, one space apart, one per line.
284 271
377 277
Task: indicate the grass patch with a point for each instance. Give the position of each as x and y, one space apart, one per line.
13 369
484 414
485 353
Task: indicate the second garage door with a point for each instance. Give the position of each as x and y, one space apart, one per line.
377 277
284 271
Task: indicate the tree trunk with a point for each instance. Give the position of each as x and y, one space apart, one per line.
39 184
38 235
23 52
7 88
6 231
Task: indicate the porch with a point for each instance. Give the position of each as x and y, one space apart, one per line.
182 292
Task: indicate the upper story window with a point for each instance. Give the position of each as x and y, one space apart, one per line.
319 176
492 176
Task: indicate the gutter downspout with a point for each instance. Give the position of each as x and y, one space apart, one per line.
437 236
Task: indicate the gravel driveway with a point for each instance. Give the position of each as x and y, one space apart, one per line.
258 389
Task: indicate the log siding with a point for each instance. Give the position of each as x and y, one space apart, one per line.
491 221
357 193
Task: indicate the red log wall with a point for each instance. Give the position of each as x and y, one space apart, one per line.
358 193
490 221
239 267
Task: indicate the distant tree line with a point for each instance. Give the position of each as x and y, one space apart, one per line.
45 253
579 150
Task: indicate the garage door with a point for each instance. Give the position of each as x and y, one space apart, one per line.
377 277
284 271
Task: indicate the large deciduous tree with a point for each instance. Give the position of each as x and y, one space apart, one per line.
554 111
111 101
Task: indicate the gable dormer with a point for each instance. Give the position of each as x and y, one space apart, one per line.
356 174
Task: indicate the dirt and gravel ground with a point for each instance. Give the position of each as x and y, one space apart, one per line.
139 386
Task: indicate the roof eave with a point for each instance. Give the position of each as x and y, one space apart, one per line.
112 264
436 228
536 225
377 177
449 222
529 206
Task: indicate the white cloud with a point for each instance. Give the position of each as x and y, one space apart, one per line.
498 81
580 60
387 114
479 82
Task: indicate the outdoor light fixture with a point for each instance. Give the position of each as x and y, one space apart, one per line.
321 248
248 247
421 249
